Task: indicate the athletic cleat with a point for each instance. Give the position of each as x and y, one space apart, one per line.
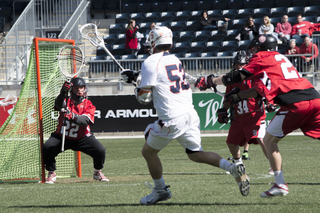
276 191
271 171
245 156
238 171
51 178
99 176
156 195
230 158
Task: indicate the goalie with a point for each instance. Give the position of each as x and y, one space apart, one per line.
78 116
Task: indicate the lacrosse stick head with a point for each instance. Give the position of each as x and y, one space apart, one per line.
10 99
70 60
90 31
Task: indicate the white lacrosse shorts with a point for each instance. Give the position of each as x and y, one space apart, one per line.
185 129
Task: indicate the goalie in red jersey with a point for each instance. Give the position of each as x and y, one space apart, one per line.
275 78
77 115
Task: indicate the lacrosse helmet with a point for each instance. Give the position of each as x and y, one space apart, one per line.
264 43
159 36
78 82
241 58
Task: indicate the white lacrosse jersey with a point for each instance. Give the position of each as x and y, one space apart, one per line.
172 95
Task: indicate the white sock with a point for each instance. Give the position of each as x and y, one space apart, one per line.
96 170
278 177
239 161
159 183
224 164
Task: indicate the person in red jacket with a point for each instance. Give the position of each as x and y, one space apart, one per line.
77 114
302 28
308 47
131 38
293 50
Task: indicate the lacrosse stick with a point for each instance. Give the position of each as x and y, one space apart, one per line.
10 99
194 79
70 61
90 32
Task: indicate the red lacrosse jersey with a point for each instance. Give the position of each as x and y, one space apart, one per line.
274 75
74 131
248 105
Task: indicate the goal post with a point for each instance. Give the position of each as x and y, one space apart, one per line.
33 119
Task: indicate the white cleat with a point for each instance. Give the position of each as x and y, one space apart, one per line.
238 171
276 190
156 195
99 176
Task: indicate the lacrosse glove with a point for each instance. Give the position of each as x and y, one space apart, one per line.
129 76
204 83
222 116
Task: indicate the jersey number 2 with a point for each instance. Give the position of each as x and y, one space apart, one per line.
178 79
71 129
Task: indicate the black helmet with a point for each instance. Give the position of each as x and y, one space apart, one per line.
264 42
78 82
241 58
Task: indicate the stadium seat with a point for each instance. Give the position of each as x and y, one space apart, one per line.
196 47
229 46
179 55
202 35
294 11
220 4
175 36
283 3
250 4
208 54
192 25
167 16
142 56
243 44
244 13
215 13
101 51
266 3
158 7
192 55
204 5
235 4
230 13
314 2
292 20
275 21
190 64
177 25
213 46
181 47
122 18
312 10
112 5
302 3
121 38
98 57
116 28
128 57
163 23
129 8
309 18
238 23
231 34
260 12
118 49
138 17
217 35
173 6
278 11
182 16
299 41
144 26
152 17
110 38
195 15
258 22
188 5
187 36
144 7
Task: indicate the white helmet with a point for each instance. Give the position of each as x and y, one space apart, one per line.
158 36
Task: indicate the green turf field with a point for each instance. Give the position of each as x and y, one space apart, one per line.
195 187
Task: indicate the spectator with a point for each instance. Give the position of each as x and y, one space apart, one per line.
308 48
131 38
292 50
283 30
302 28
249 30
146 44
210 23
266 27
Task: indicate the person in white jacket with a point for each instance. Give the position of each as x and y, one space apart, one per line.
266 27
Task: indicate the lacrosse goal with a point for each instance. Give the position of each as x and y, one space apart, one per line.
33 119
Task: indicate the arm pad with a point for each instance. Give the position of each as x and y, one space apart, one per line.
235 76
143 96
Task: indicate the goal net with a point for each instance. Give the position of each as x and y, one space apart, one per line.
33 119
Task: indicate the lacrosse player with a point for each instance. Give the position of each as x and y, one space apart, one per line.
163 82
246 128
275 78
78 115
